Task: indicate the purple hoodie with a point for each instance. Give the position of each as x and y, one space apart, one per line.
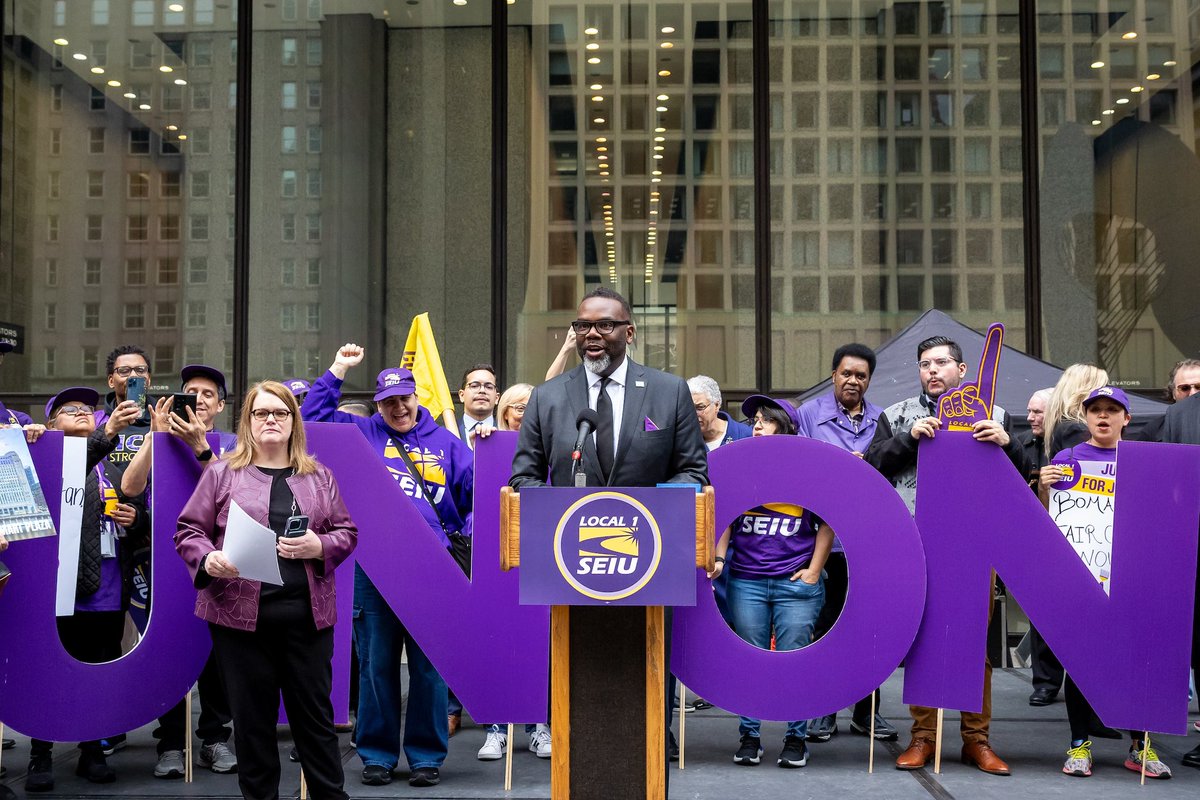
445 461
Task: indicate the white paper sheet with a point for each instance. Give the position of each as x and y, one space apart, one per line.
74 476
250 547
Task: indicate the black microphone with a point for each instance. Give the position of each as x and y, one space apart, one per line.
586 423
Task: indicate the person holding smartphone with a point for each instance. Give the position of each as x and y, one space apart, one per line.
200 400
110 530
267 639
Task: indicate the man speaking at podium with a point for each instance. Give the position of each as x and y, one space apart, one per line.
645 433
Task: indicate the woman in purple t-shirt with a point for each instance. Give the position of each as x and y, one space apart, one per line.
1106 412
775 582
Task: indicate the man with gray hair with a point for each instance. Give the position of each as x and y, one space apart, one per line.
716 426
1047 672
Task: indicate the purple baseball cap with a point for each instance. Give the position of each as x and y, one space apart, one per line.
755 401
297 386
1112 393
203 371
80 394
394 381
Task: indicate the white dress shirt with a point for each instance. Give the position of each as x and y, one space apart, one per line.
616 395
469 425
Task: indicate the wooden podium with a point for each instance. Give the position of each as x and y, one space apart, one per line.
608 676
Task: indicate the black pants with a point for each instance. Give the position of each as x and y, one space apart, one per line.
837 583
285 654
1047 671
92 637
1080 714
172 730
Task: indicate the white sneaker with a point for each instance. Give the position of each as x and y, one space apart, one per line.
539 741
494 746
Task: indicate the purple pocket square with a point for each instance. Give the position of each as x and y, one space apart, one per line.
650 426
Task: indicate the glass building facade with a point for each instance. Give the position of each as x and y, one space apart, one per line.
251 184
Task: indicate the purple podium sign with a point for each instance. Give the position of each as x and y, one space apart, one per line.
624 546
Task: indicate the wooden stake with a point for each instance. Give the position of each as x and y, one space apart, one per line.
682 721
871 739
508 761
187 741
1145 752
303 786
937 744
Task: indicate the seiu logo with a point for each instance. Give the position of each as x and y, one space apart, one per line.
409 486
771 526
607 546
607 565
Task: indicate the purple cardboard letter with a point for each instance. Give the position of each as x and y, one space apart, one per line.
440 607
883 608
977 514
50 695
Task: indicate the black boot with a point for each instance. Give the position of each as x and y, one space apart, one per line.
40 777
93 766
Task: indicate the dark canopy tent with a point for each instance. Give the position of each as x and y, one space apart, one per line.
1021 375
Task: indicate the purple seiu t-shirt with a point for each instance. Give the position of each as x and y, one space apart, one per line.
108 596
771 540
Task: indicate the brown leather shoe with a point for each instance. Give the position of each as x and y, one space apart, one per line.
980 754
455 721
918 754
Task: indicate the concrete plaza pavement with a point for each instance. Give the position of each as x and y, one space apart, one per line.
1032 740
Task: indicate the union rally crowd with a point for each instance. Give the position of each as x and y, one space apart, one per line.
780 578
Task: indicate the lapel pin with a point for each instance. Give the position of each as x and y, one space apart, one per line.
640 384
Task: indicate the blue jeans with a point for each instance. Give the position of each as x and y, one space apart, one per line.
379 637
789 608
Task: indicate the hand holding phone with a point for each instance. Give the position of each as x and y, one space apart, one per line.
135 390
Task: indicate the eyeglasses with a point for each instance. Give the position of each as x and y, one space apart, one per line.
700 409
475 386
937 362
1187 388
603 326
760 420
261 414
125 372
75 411
519 409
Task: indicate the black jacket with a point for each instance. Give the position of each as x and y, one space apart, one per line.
87 581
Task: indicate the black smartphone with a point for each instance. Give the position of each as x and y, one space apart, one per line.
135 390
181 402
296 525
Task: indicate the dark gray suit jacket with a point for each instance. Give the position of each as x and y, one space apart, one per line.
1181 423
674 453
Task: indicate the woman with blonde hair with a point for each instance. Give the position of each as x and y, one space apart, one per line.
271 639
1065 423
511 408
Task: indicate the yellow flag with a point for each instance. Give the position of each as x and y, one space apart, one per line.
421 356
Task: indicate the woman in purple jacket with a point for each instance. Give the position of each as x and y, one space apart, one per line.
271 639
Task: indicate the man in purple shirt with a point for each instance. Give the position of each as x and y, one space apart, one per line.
845 419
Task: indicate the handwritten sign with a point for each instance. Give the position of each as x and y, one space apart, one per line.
1082 506
960 409
74 476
